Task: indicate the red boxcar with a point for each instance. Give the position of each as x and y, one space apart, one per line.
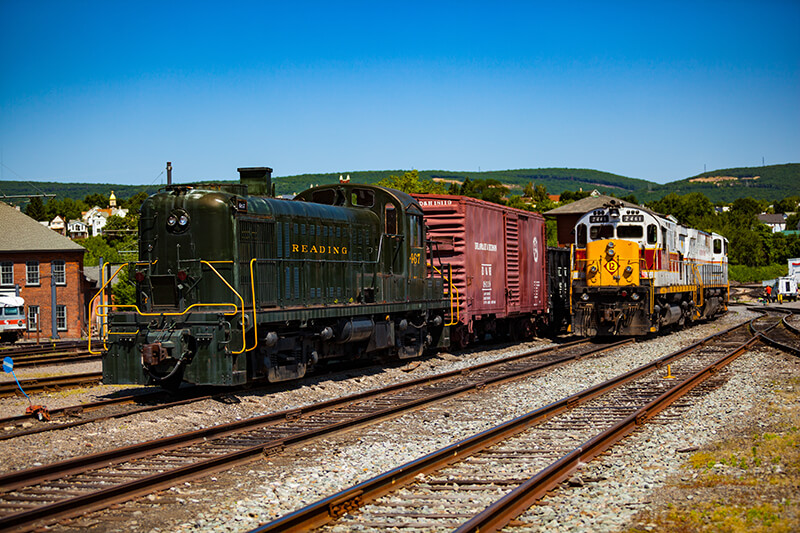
497 255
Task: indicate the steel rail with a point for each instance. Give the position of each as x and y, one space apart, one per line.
46 347
335 506
499 514
9 388
152 396
25 477
59 358
102 498
200 394
782 336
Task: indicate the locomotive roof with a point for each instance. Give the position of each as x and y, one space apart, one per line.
408 202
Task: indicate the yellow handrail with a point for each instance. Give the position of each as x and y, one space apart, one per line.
253 290
453 288
91 306
103 334
244 340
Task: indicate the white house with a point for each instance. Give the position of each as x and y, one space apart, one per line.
776 222
76 229
57 225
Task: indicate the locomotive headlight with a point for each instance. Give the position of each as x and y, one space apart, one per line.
585 296
183 220
628 271
610 252
592 270
172 220
635 296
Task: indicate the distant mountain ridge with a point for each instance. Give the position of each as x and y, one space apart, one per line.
772 182
556 180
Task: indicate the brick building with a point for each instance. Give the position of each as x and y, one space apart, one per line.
34 260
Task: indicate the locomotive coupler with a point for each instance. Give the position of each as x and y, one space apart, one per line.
153 354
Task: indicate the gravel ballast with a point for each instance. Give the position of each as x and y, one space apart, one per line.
618 485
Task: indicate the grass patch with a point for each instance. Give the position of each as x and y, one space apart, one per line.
750 482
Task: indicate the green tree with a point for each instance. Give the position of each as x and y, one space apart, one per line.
35 209
528 190
787 205
747 206
411 183
134 203
567 197
96 200
540 194
490 190
792 221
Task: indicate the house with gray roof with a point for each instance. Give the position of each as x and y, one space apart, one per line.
567 215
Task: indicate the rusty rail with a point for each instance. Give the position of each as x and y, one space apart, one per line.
9 388
463 382
348 500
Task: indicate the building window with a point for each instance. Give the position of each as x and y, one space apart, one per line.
32 273
59 272
33 317
6 273
61 317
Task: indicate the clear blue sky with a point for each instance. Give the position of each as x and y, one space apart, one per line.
110 91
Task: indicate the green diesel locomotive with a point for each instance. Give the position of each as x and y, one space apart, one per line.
234 285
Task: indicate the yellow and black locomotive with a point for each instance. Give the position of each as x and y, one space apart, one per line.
635 271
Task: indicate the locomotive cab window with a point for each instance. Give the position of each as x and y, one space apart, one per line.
606 231
390 215
652 234
629 232
581 237
415 230
362 198
328 197
717 246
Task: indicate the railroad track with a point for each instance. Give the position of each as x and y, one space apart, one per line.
49 384
38 496
55 358
74 415
43 348
783 335
483 482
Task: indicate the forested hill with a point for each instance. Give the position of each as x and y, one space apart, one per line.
773 182
556 180
76 191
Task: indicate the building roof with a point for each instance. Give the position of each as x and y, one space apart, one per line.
772 219
587 204
21 233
